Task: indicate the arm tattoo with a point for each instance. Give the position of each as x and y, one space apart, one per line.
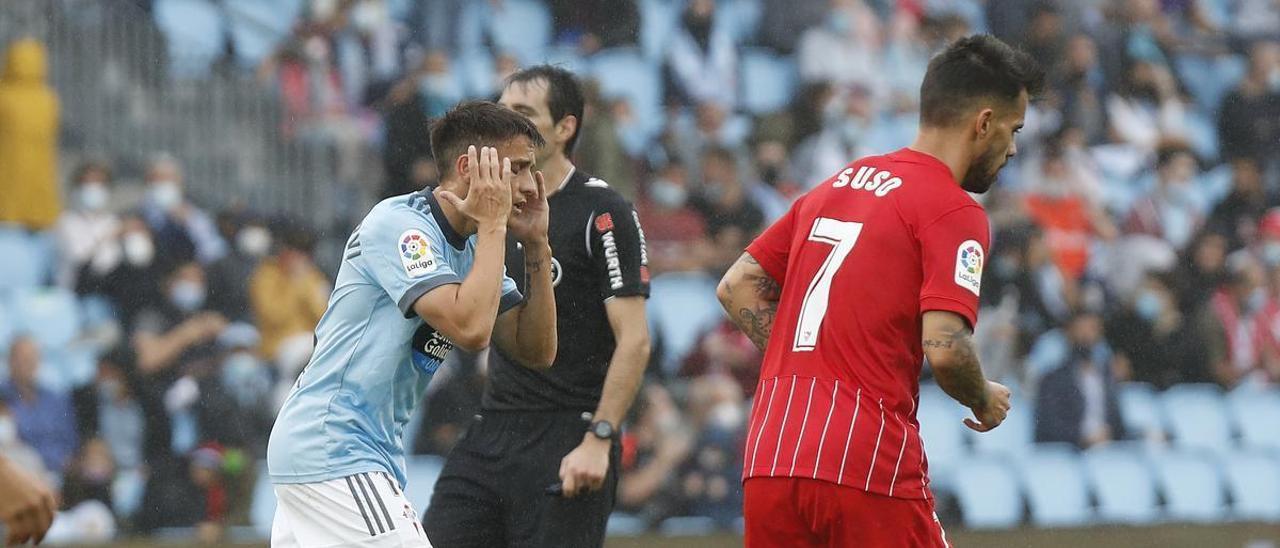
533 266
757 323
938 343
963 380
768 289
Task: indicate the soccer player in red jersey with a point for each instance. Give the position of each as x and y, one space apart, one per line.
868 274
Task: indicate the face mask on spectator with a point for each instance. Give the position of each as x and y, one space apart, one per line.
668 194
8 430
166 195
110 389
840 21
187 295
94 196
1148 305
1257 300
138 249
245 378
1271 253
253 241
726 416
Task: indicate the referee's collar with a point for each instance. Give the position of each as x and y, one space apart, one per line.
455 239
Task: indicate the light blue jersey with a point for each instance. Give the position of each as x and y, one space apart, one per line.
374 356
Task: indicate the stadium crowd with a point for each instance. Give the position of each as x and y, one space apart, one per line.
1136 237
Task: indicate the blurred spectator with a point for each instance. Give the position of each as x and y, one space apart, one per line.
108 409
847 117
1249 116
406 155
1059 202
18 452
179 330
89 475
1079 87
88 226
653 450
289 292
1076 402
607 24
1045 35
45 418
710 483
28 139
435 24
191 492
701 58
1174 209
125 271
1146 108
1155 337
1237 216
710 126
733 217
676 233
235 404
1256 19
1202 271
779 20
1236 324
600 149
438 86
844 49
726 352
182 231
229 276
452 401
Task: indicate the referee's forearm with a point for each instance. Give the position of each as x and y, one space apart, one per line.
626 370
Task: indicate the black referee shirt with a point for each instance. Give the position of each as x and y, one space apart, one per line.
598 253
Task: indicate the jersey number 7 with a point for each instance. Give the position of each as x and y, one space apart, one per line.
841 235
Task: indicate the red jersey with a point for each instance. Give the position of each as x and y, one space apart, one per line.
859 259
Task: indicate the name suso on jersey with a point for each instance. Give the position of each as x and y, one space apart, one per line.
839 384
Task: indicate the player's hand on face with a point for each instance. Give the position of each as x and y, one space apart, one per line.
584 469
27 507
530 224
488 200
994 409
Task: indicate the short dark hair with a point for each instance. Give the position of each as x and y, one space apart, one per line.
480 123
975 67
564 95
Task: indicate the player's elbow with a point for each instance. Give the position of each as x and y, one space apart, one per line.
724 291
473 339
544 357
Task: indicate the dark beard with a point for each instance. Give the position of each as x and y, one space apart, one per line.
981 175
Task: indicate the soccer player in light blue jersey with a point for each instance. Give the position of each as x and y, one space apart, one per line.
422 273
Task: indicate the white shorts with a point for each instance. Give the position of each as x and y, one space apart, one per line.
360 510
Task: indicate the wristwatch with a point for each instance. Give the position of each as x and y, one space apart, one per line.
603 430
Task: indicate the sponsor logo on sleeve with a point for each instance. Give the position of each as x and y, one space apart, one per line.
415 253
969 262
604 223
644 252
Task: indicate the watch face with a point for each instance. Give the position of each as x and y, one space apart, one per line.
602 430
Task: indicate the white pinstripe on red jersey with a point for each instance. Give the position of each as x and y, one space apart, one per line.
876 452
795 456
760 426
822 440
849 437
782 427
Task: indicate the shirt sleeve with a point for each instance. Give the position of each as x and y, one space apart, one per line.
617 250
403 253
772 247
954 249
511 296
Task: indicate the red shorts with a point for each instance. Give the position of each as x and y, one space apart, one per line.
801 512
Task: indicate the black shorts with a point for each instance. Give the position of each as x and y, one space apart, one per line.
492 491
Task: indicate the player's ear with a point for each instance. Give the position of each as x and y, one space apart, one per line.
462 167
566 127
982 123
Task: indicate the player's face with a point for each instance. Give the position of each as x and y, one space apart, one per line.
999 147
523 187
530 99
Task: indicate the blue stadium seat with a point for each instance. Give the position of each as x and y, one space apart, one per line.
50 315
682 306
1197 417
8 327
625 73
258 27
687 526
1054 480
625 525
1193 490
988 495
1122 484
262 509
941 428
522 27
194 33
768 81
473 69
1013 437
1253 480
1139 410
26 265
422 472
66 368
740 18
566 57
659 19
1256 414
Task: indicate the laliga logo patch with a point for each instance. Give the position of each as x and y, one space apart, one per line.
415 253
969 261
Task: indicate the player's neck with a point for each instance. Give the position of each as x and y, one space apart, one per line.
457 221
554 170
946 147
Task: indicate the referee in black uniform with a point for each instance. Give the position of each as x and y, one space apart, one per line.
538 467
